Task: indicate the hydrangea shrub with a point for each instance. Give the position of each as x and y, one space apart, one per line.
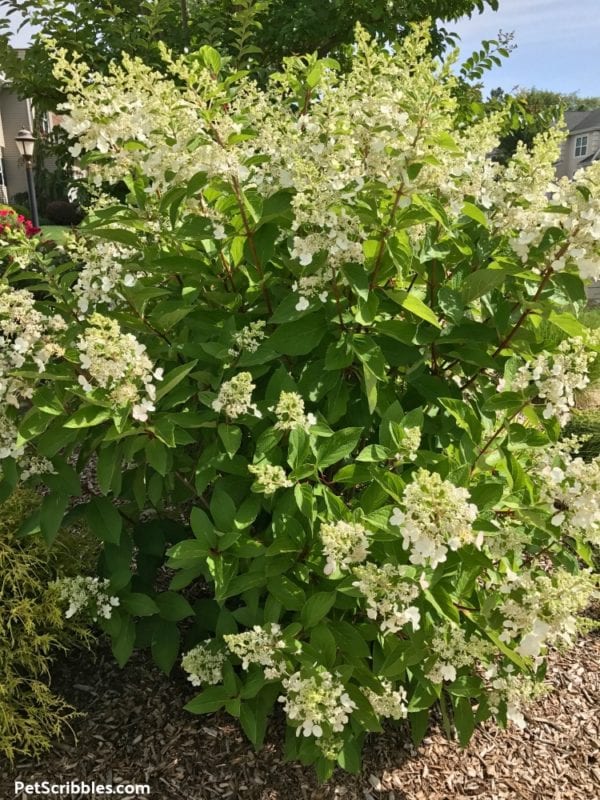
306 358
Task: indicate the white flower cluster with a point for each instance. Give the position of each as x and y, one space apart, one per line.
269 477
248 339
437 516
118 363
8 439
408 447
572 487
357 136
103 271
28 464
31 465
84 593
261 646
203 664
318 702
344 544
542 610
391 703
290 413
25 335
235 397
556 376
310 286
453 650
509 539
389 594
512 689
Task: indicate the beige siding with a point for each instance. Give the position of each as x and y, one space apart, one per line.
569 163
15 114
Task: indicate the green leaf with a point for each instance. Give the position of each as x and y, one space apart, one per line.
165 645
412 303
208 701
338 446
242 583
123 642
108 467
481 282
475 213
231 436
567 323
46 400
104 520
317 606
116 235
464 719
52 511
157 455
288 593
174 378
34 422
323 641
202 527
88 417
350 756
300 337
419 722
138 604
222 509
173 606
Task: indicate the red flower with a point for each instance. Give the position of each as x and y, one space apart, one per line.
14 220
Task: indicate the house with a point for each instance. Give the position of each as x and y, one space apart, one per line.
16 114
582 145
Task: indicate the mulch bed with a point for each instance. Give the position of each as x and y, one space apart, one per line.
135 731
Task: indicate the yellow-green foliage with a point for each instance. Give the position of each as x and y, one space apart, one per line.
32 630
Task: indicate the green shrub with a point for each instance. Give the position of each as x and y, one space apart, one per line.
61 212
306 362
33 631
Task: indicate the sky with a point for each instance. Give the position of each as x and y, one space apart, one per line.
558 44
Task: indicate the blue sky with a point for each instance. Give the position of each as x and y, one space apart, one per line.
558 44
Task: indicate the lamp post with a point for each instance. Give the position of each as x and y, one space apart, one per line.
25 142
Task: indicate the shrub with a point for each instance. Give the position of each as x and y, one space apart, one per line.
33 631
20 209
305 360
61 212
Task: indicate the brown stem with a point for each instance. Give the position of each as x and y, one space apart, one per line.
148 324
496 434
509 337
384 235
192 489
251 244
228 270
336 294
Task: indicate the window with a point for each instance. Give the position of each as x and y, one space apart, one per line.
3 192
581 143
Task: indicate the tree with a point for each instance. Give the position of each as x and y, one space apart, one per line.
534 111
265 30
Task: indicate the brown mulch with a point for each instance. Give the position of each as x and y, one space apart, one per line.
135 731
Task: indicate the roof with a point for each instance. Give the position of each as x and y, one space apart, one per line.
573 118
589 122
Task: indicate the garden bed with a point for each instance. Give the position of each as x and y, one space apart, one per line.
135 730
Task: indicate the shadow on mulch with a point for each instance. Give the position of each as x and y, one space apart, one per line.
134 730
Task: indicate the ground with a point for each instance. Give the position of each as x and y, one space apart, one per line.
135 730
